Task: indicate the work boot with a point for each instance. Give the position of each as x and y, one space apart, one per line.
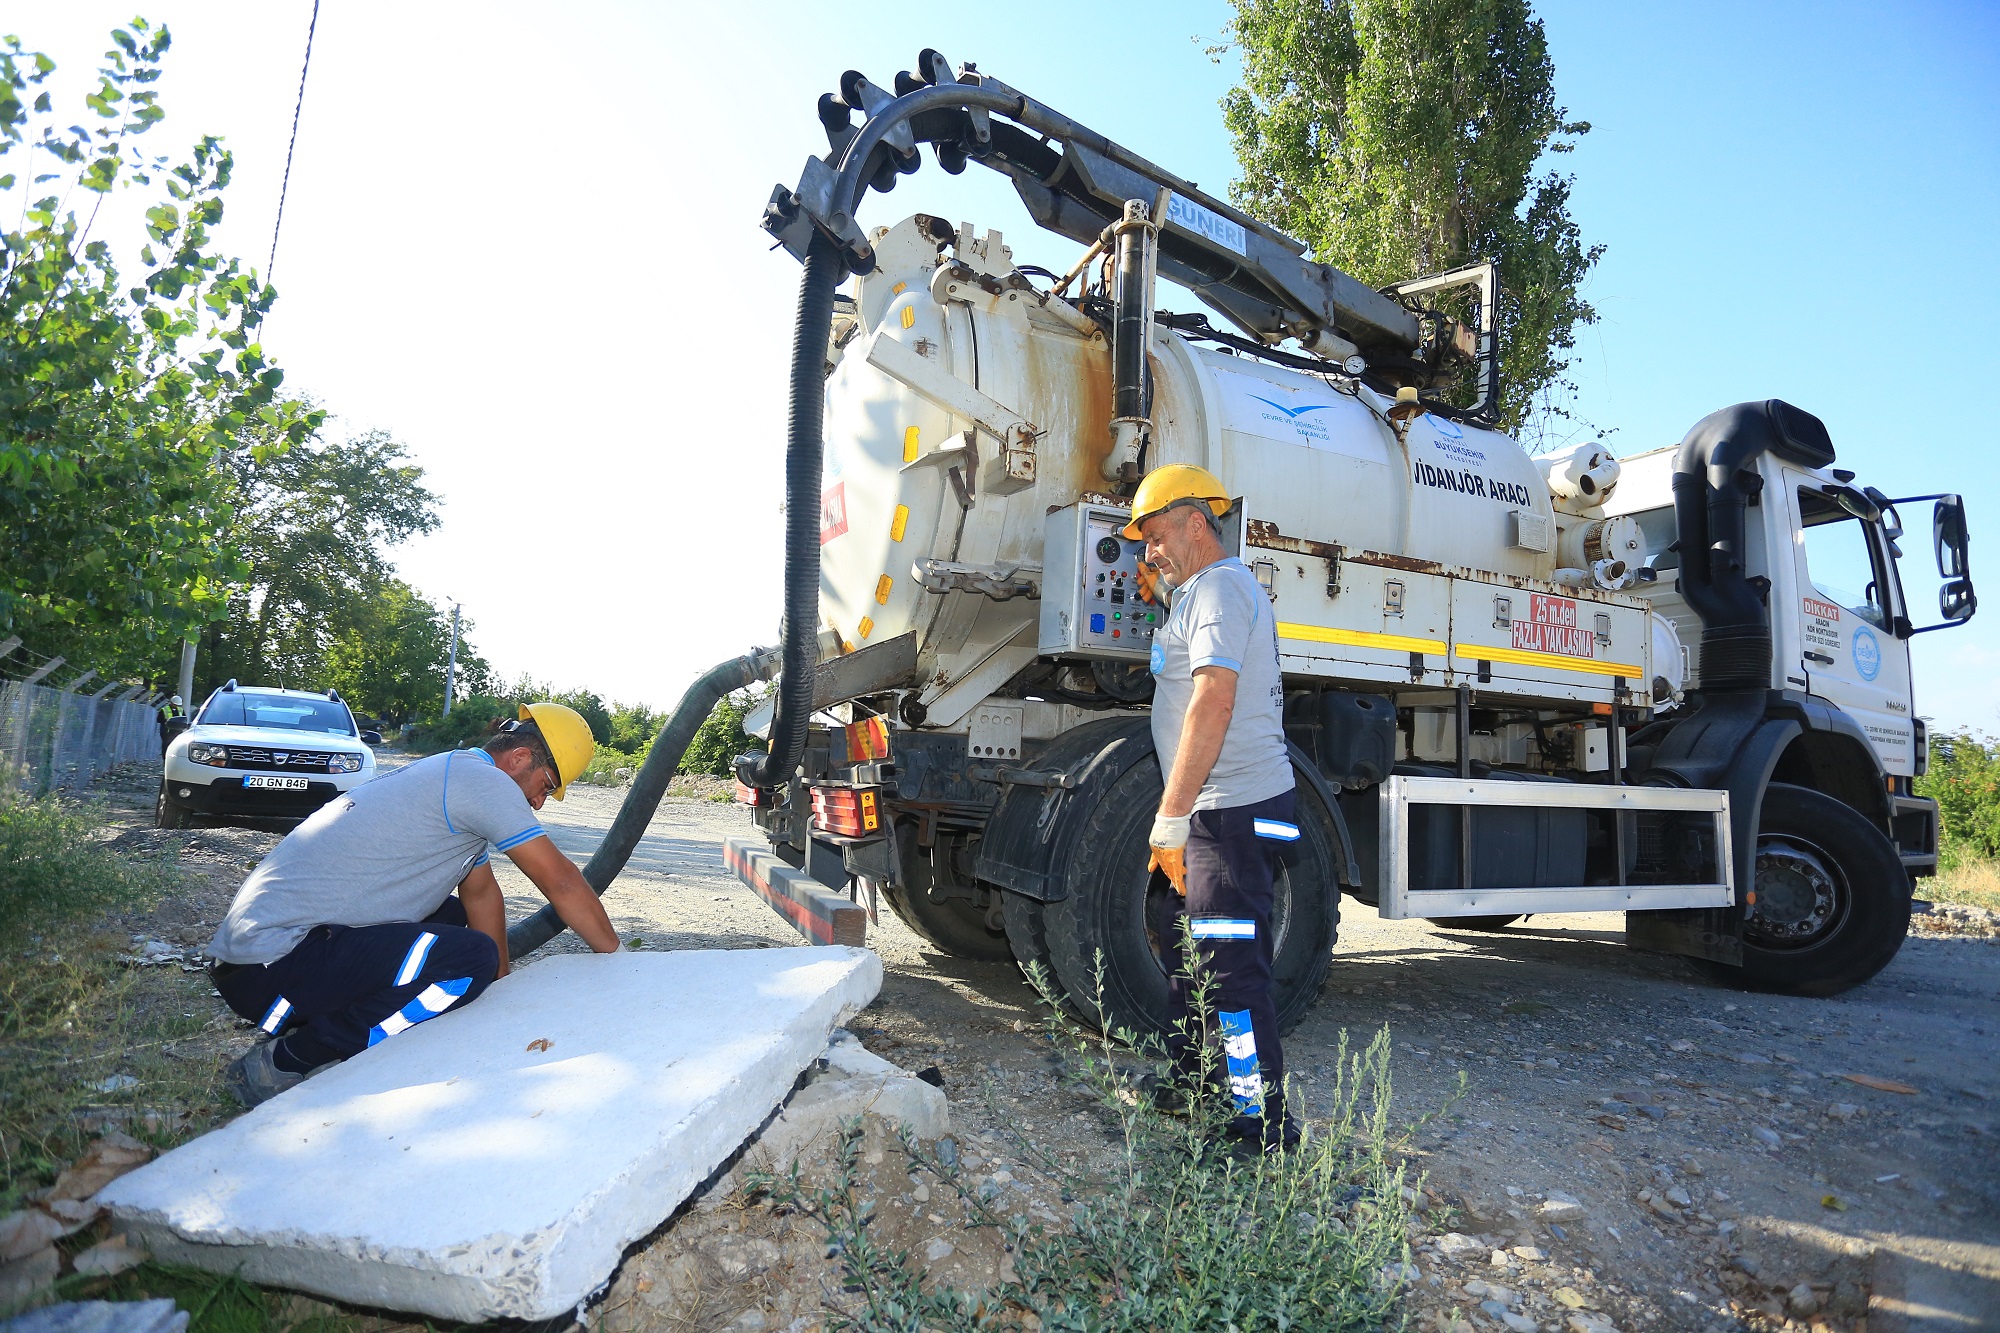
1250 1136
254 1078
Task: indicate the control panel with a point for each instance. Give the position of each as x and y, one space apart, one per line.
1099 599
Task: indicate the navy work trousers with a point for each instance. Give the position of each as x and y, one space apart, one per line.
1232 862
345 988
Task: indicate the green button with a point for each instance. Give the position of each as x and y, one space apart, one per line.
1117 615
1151 619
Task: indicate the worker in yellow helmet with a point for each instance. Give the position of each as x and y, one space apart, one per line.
1226 815
381 910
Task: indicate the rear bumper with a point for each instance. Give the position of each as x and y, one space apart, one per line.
229 797
816 912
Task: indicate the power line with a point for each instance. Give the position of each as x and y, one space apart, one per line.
271 264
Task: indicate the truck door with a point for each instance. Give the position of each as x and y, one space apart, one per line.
1842 618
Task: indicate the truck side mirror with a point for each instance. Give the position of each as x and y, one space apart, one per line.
1957 601
1949 535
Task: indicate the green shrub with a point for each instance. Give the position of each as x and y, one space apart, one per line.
721 738
470 721
53 867
1964 780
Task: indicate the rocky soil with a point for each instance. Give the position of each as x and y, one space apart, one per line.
1634 1148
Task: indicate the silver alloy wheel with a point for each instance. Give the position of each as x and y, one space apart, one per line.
1800 897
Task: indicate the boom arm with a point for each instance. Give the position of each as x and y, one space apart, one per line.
1075 182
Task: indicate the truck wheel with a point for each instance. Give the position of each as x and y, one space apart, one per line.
169 813
1474 922
1105 911
1832 903
956 926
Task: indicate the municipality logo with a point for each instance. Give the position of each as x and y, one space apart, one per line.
1444 426
1867 653
1294 412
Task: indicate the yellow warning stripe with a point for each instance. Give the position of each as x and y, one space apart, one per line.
1359 638
1478 652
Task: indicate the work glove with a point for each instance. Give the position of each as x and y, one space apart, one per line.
1168 842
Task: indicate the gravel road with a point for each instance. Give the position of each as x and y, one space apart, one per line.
1632 1140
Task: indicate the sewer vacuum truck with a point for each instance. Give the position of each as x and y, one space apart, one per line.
1675 685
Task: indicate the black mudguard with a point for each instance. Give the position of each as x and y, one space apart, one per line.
1735 742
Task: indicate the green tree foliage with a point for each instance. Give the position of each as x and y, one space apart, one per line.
314 524
633 727
120 396
1964 779
721 738
591 707
1400 138
389 659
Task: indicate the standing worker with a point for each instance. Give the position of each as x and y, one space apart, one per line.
171 712
1227 812
350 931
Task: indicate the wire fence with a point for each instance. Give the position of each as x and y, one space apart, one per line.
56 737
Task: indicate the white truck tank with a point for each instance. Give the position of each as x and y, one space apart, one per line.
964 407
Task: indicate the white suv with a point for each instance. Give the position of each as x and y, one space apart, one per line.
259 751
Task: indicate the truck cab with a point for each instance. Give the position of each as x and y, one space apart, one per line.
1841 617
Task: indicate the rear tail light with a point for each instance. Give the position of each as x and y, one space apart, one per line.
847 812
747 794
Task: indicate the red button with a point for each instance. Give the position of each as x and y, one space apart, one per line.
1114 633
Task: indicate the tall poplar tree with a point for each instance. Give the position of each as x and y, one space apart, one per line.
1400 138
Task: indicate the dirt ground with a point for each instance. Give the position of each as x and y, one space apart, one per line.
1636 1148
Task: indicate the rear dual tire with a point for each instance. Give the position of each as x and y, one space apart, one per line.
1105 913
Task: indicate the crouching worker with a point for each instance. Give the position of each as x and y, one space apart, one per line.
381 910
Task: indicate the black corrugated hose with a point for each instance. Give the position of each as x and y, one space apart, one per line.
648 786
804 448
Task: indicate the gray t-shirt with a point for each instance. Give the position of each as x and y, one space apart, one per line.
390 850
1220 617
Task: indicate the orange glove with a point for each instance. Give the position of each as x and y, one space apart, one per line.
1168 842
1171 862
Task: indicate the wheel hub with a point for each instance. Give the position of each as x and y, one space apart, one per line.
1798 898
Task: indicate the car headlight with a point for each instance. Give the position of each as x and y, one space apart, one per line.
344 763
216 756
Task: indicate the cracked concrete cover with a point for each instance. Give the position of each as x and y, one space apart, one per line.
467 1171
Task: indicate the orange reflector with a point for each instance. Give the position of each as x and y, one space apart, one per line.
909 447
882 586
846 812
898 524
867 739
909 317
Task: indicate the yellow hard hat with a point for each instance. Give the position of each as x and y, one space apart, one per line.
568 737
1164 487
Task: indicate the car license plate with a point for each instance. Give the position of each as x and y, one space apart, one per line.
281 784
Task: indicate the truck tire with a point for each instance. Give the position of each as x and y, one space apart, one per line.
1833 904
1105 912
952 925
1474 922
169 813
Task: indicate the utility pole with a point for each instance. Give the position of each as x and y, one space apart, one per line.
186 690
451 662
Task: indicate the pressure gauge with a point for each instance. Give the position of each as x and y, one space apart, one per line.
1354 365
1109 549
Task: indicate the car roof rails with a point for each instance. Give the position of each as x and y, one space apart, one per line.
334 695
229 686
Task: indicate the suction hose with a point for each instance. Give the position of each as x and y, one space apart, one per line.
804 447
648 786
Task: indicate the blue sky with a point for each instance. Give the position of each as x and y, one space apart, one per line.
523 239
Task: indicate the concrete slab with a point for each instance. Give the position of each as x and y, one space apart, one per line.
495 1162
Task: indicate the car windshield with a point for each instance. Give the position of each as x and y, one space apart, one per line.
280 712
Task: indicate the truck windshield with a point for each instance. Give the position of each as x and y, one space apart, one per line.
1840 560
283 712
